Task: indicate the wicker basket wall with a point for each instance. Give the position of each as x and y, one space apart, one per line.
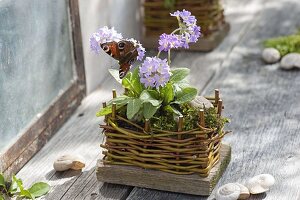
209 15
178 152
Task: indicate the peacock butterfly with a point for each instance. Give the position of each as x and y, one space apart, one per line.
124 51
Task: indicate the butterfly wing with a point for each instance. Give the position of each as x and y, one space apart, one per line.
111 48
126 62
124 51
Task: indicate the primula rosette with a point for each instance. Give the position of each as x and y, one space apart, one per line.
154 72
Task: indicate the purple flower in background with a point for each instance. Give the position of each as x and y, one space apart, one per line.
141 52
103 35
154 72
167 42
94 44
190 32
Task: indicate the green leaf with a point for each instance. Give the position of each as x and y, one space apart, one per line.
133 107
186 95
154 94
39 189
171 109
123 99
115 74
1 197
178 74
107 110
149 110
19 182
167 93
2 180
27 194
13 187
127 83
146 97
135 80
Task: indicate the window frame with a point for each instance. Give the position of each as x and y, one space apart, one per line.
39 132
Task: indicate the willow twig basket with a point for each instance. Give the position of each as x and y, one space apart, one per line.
196 154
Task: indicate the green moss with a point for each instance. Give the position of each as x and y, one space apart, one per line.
285 44
166 120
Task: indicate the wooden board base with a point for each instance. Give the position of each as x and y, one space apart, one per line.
189 184
203 44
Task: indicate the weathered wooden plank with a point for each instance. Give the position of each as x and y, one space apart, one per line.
81 136
267 118
189 184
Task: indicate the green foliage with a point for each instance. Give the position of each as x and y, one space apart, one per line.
39 189
185 95
147 102
133 107
179 74
16 188
213 121
169 4
285 44
166 120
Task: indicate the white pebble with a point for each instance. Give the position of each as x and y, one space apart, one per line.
66 162
290 60
271 55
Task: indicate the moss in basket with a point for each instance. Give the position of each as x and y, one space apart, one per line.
153 90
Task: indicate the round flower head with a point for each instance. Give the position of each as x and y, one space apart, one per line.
103 35
154 72
189 29
167 42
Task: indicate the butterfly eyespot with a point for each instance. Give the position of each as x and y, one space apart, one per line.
105 48
121 74
121 45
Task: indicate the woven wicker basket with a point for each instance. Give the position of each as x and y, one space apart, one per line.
209 15
177 152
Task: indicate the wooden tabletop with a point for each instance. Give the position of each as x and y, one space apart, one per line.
262 101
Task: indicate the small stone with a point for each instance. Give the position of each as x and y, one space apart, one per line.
200 102
260 183
66 162
290 60
271 55
245 194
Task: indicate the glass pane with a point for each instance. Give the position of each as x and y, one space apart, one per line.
35 61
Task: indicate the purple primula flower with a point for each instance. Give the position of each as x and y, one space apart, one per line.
154 72
167 42
148 81
94 44
175 14
141 52
185 16
190 32
103 35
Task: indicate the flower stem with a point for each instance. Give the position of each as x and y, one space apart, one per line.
158 54
178 29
